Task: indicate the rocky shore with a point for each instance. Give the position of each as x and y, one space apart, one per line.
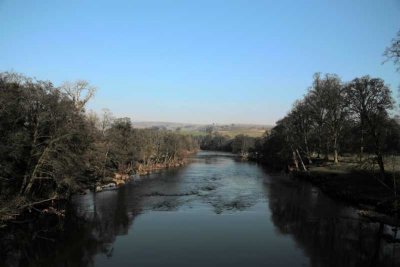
43 208
120 179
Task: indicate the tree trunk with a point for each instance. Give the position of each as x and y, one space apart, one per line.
307 150
327 151
335 156
105 162
379 158
24 184
296 163
28 188
301 160
319 146
362 144
381 164
27 175
335 150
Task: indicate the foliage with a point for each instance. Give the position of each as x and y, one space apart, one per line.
334 118
50 146
43 136
215 141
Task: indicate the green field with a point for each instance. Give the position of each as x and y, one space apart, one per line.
253 132
351 163
231 133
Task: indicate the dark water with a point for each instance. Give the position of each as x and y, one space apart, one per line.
216 211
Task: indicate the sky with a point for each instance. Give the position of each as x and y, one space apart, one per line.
198 61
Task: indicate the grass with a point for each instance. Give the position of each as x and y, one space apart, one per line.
350 163
358 182
193 133
252 132
231 133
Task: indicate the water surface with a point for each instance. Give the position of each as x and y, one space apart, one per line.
219 211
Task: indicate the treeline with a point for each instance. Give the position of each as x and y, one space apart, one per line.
241 144
334 118
49 145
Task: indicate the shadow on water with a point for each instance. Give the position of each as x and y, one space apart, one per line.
329 233
217 211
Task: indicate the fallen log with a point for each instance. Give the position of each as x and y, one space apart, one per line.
36 203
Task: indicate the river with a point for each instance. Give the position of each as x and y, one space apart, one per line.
216 211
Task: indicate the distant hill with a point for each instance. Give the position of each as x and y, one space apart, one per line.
231 130
165 125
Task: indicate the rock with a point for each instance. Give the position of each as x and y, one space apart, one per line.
98 189
109 186
119 182
208 188
107 180
120 177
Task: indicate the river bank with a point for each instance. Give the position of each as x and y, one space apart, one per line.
358 184
348 182
216 211
120 179
20 209
362 189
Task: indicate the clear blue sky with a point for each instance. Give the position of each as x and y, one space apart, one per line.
197 61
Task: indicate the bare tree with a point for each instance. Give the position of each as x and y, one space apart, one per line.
106 120
300 118
317 100
79 91
337 111
369 99
393 51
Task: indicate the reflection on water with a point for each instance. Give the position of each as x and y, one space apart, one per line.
217 211
329 233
